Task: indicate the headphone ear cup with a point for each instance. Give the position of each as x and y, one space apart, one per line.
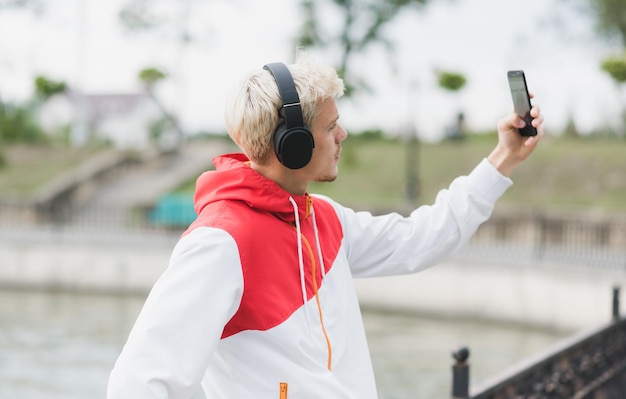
293 141
293 147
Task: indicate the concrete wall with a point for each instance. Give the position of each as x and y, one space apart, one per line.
547 295
56 260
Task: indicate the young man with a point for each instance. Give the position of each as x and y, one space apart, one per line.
258 299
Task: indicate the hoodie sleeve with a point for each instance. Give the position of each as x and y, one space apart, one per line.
392 244
180 325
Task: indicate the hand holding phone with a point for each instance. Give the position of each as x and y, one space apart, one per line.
521 101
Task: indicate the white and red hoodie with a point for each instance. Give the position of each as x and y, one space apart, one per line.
258 300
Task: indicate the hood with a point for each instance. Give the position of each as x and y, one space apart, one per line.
234 180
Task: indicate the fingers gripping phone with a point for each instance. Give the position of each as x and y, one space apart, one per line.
521 101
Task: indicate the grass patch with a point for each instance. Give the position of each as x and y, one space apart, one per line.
28 167
562 174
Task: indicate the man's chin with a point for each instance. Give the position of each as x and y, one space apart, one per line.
326 179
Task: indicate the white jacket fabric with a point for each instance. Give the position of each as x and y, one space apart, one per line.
258 298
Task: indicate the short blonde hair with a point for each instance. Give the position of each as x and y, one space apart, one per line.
252 112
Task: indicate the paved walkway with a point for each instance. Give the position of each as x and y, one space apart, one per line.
143 184
112 202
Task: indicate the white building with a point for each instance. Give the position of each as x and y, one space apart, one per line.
126 120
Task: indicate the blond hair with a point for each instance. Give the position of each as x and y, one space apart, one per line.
254 110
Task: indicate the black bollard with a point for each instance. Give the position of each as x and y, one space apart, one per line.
460 374
615 303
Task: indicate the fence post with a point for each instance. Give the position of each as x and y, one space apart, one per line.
460 374
542 226
615 303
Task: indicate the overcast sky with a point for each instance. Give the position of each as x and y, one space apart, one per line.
83 43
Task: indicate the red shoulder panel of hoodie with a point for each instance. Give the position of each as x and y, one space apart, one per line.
268 249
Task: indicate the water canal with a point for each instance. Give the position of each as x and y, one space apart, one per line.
57 345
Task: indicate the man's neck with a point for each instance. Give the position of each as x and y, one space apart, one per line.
288 179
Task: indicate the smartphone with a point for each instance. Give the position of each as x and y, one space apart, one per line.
521 101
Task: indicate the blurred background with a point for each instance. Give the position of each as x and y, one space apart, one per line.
109 111
391 53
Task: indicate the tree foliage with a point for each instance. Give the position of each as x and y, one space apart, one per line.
451 81
150 76
30 4
611 23
18 124
611 17
46 88
361 25
616 67
167 17
136 16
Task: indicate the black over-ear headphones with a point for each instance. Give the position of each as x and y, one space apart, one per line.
293 141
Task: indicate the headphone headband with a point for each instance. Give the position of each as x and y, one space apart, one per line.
288 94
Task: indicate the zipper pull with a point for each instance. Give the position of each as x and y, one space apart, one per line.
283 390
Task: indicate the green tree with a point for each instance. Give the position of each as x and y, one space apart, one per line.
18 124
150 77
35 5
611 17
615 66
570 130
453 82
362 23
46 88
168 18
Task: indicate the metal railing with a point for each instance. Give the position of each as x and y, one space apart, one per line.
95 218
573 240
576 240
588 365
